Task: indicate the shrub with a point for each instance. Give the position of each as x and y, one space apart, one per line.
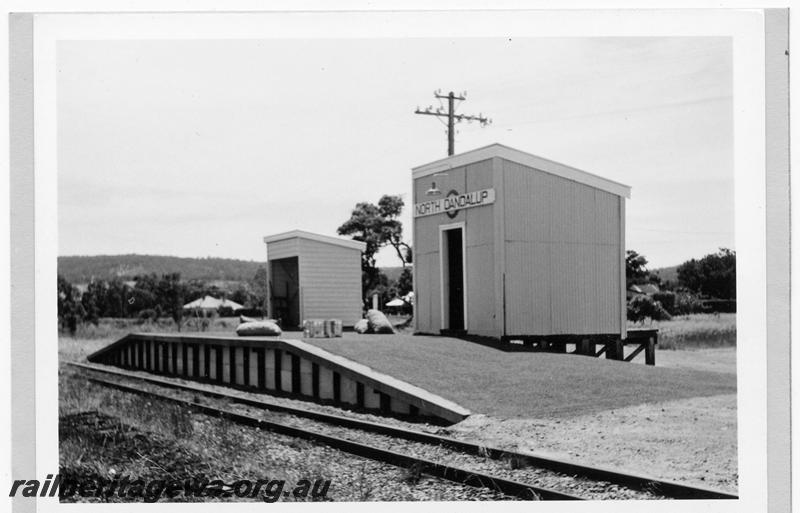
645 307
687 303
148 314
667 300
251 312
719 305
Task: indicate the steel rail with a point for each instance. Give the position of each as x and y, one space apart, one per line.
639 482
450 473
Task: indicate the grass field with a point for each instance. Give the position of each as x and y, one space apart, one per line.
695 331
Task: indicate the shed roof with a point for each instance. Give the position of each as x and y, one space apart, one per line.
526 159
327 239
212 303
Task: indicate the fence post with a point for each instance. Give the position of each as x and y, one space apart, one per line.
650 351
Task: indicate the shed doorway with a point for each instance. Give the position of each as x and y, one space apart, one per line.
453 279
285 292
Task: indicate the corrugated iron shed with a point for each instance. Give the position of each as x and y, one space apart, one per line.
542 246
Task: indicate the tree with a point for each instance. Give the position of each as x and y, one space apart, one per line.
377 226
66 294
170 293
258 289
385 288
243 296
70 310
145 293
713 275
390 208
195 289
93 300
118 299
405 282
635 268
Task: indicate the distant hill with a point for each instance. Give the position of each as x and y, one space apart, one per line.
393 273
81 269
667 274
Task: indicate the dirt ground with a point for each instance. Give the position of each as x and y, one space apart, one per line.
689 440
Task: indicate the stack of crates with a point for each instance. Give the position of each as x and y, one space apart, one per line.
333 328
313 328
316 328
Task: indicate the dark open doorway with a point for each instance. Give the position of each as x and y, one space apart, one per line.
285 292
453 279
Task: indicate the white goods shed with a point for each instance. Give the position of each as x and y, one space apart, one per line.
313 276
508 244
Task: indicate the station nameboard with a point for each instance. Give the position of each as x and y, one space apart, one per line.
454 202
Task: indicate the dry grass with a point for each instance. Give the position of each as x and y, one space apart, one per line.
696 331
103 429
105 432
89 337
116 328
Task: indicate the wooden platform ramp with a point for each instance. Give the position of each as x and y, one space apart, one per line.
278 367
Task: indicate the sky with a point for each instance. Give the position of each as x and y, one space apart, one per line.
202 147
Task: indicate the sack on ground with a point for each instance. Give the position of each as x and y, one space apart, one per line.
378 323
243 319
361 326
258 328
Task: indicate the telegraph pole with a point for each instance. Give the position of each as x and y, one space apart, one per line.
266 279
451 115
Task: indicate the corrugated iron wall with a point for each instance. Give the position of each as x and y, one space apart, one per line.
562 255
480 253
330 281
283 249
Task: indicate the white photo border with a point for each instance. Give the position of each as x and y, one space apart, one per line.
744 27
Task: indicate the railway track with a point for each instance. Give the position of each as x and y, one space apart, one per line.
517 474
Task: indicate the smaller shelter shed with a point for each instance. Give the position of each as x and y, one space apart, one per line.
313 276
